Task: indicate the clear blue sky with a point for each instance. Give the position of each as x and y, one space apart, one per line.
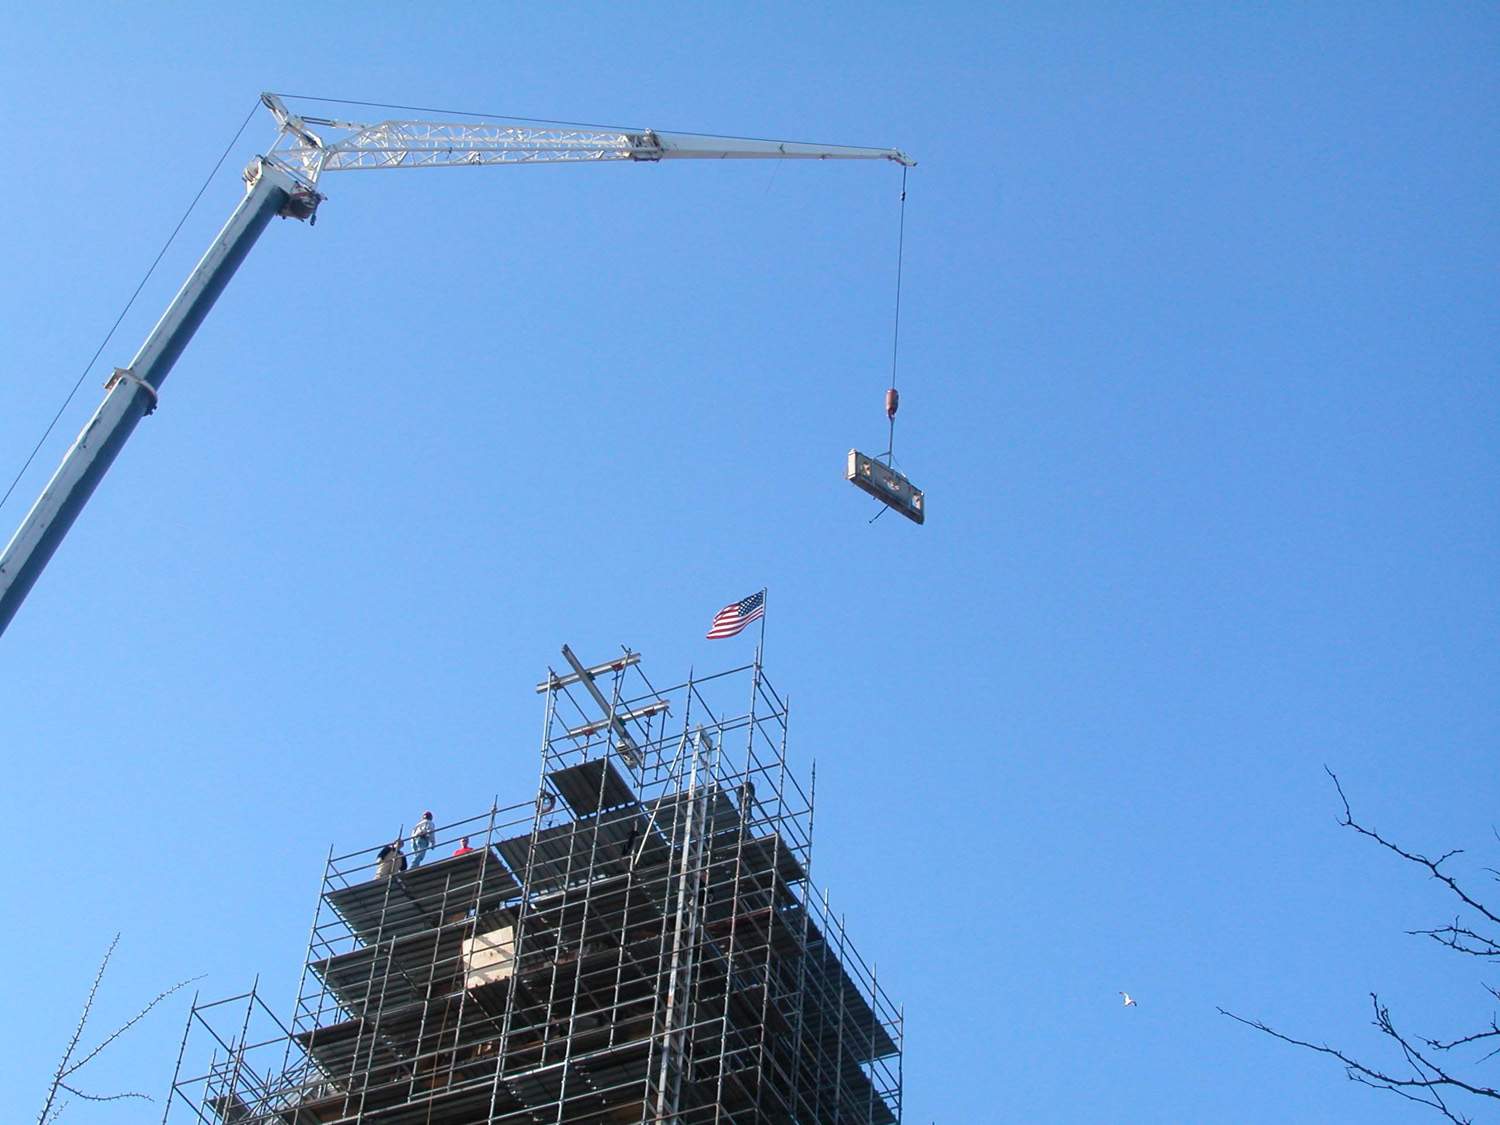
1198 357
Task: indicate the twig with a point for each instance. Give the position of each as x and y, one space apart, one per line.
1429 1082
62 1067
1422 860
67 1068
128 1024
103 1097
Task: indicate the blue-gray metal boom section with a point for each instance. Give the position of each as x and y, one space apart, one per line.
132 392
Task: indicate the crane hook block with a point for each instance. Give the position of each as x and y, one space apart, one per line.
886 485
892 401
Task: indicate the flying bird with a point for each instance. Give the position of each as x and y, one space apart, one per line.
1129 1003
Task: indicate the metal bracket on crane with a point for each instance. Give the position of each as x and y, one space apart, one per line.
302 204
129 376
302 198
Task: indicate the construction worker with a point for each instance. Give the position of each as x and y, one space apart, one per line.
421 839
389 860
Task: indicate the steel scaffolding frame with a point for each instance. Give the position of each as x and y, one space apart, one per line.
639 942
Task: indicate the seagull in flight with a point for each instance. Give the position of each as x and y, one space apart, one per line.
1129 1003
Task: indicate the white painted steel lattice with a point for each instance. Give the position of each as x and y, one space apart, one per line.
310 146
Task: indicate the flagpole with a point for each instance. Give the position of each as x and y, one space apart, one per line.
760 645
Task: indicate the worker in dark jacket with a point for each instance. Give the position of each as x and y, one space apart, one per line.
389 860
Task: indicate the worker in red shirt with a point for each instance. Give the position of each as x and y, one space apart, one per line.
463 847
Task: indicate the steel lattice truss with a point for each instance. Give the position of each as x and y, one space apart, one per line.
310 146
431 144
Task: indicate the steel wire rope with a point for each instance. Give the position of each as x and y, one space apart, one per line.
896 330
128 304
890 452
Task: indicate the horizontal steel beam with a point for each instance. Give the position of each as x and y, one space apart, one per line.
597 670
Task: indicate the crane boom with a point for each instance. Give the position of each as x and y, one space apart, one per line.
285 182
310 146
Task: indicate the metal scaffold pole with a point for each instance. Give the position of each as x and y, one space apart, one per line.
636 940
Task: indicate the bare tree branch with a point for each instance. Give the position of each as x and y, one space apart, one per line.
1422 1063
1428 1083
1438 1045
62 1066
103 1097
66 1068
1435 1102
1461 938
1430 864
131 1022
1437 1076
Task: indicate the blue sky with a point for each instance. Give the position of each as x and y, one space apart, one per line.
1198 370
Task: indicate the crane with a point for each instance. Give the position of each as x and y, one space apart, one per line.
285 182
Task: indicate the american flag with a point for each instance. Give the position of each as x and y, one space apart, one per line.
736 615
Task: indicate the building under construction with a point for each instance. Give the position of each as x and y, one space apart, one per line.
639 941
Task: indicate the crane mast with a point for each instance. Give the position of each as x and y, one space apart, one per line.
284 182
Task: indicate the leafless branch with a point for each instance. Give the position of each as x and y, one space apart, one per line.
66 1068
62 1067
1428 1083
103 1097
1461 938
1489 1033
1431 864
131 1022
1431 1101
1437 1077
1421 1063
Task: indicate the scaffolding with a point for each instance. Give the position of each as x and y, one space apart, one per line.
638 942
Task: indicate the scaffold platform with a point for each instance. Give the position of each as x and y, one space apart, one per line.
639 941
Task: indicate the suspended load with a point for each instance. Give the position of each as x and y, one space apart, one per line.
880 479
886 485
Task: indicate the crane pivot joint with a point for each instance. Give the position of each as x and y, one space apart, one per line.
302 203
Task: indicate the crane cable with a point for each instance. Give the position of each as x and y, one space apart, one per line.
110 334
892 397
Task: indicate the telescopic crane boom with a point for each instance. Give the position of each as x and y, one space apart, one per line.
285 181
